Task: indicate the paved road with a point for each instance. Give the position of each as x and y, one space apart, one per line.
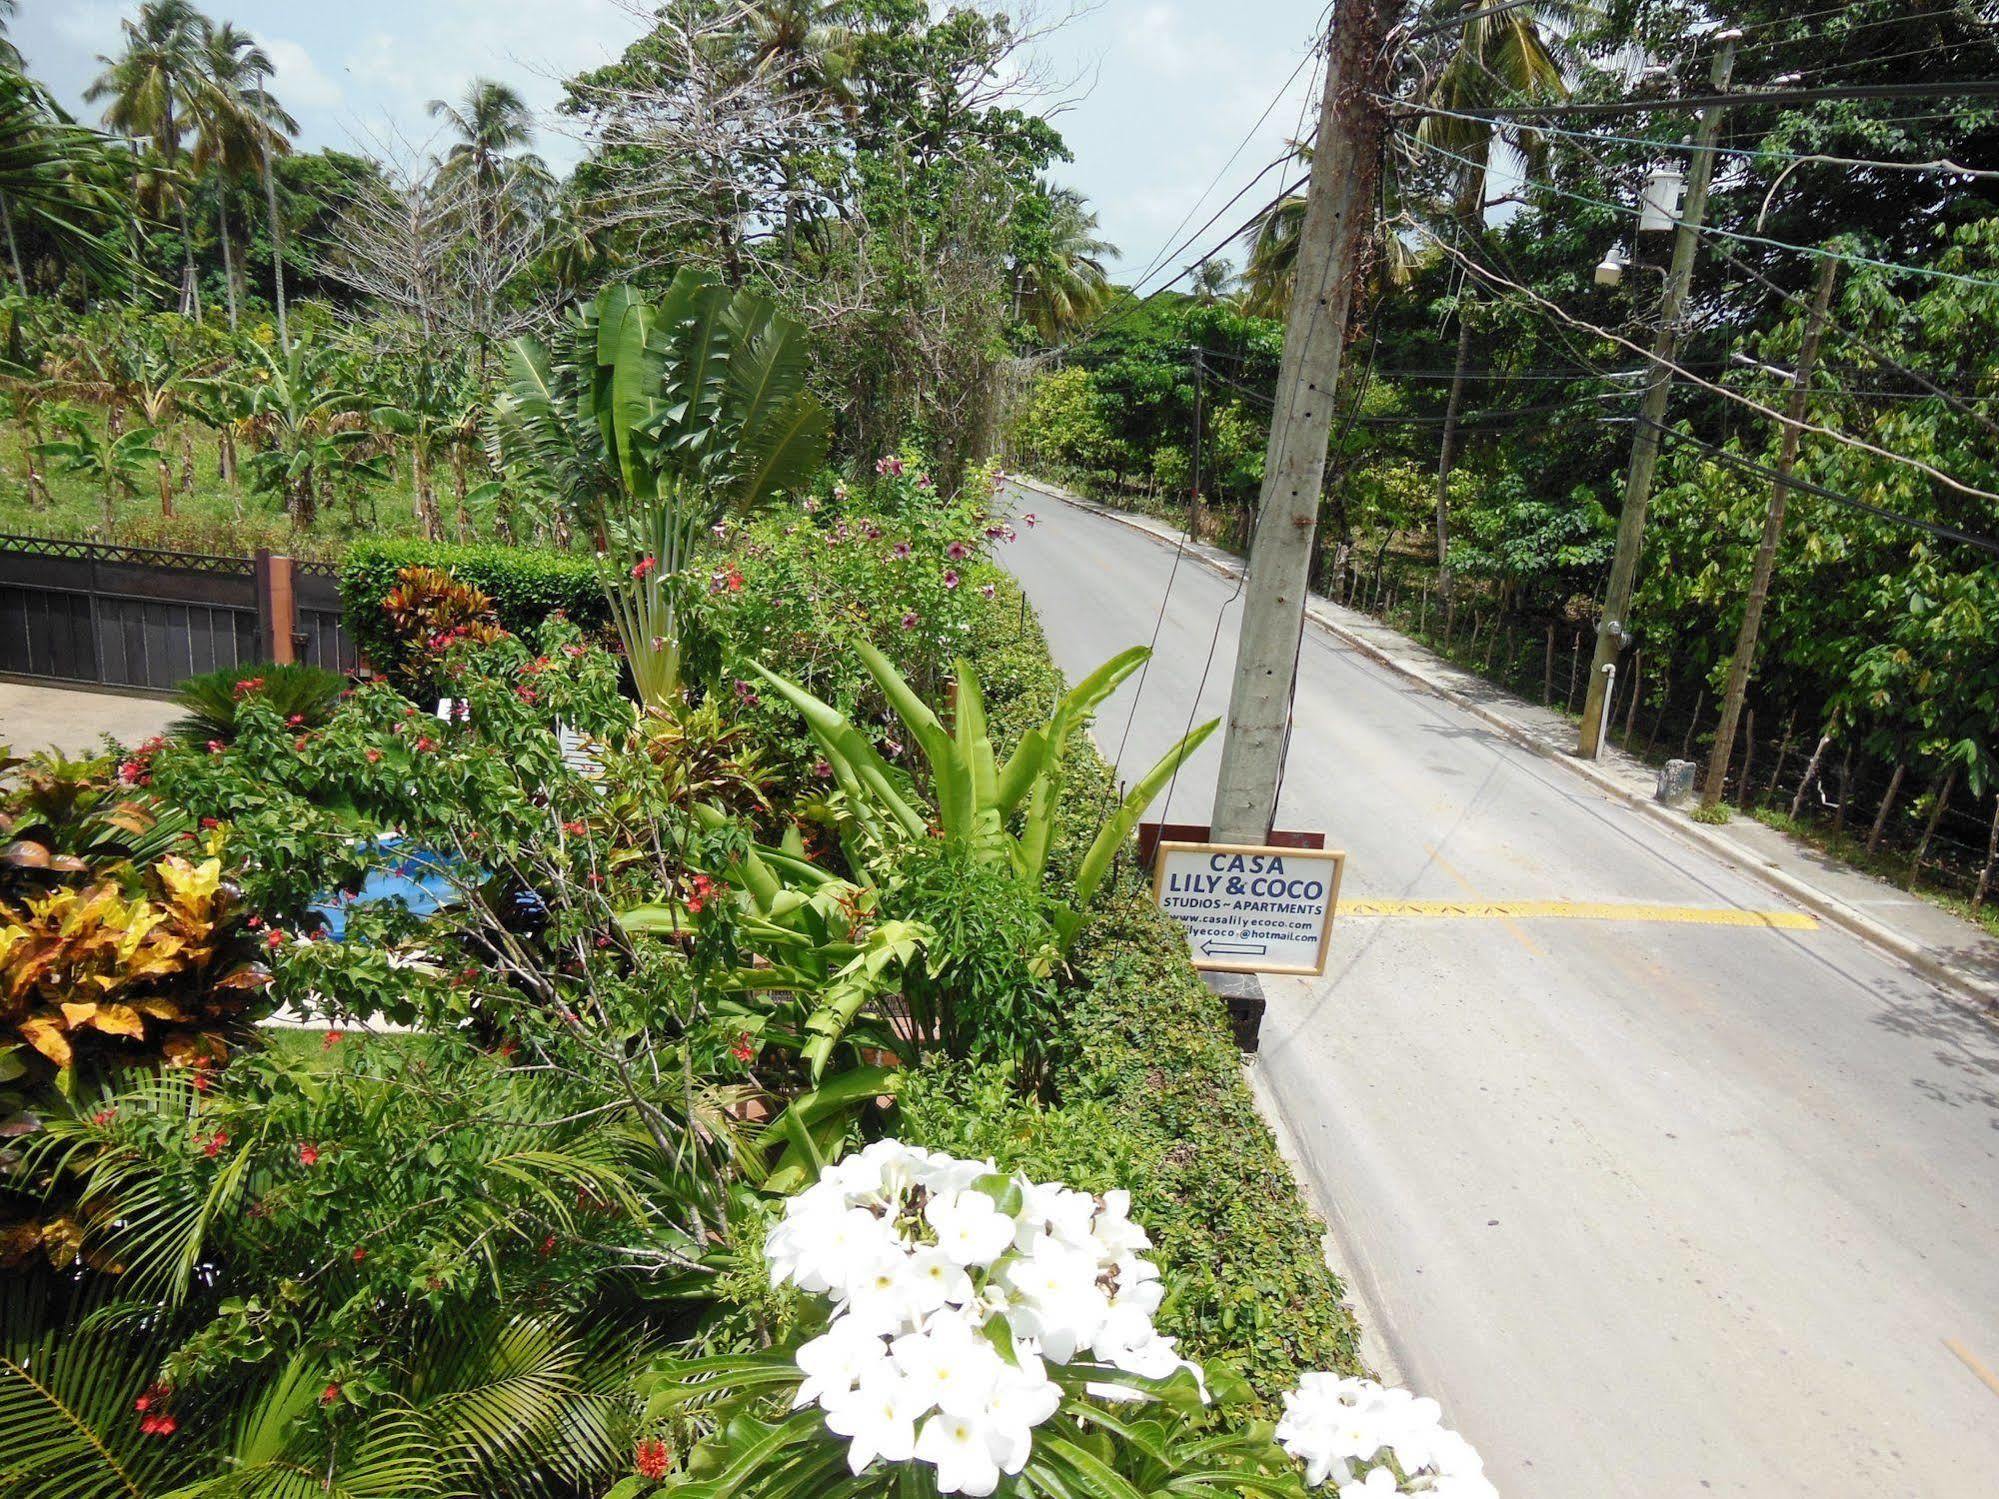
1655 1210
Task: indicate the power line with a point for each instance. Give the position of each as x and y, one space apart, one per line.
1945 166
1819 252
1966 88
1486 273
1969 538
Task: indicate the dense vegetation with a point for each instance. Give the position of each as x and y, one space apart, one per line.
1478 465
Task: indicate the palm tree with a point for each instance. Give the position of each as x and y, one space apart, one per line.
152 87
1065 283
233 117
1495 59
490 121
1212 280
48 167
807 45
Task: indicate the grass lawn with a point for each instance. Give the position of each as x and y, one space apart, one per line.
210 516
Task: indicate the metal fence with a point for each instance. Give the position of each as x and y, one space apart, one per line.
135 617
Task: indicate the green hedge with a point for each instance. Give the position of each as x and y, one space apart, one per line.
526 586
1150 1095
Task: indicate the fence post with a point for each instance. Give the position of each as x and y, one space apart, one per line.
277 606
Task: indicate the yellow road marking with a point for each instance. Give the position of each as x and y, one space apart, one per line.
1582 910
1990 1380
1511 927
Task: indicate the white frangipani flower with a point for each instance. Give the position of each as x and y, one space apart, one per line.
949 1288
1342 1429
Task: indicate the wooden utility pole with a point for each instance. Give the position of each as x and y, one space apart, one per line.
1610 632
1744 659
1339 223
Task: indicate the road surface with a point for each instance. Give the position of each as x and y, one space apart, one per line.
1654 1209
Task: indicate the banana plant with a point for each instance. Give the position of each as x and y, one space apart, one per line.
666 415
114 461
978 799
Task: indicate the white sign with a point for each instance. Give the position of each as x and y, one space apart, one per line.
1250 909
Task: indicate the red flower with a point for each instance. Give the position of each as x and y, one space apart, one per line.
526 694
275 939
330 1394
644 566
296 721
298 744
308 1154
211 822
216 746
215 1142
333 1039
548 1246
744 1050
425 744
202 1083
652 1458
374 755
360 1254
154 1394
103 1117
574 829
248 685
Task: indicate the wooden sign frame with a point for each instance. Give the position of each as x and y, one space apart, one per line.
1335 857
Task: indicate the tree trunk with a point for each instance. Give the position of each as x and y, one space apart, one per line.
1447 454
1991 860
426 502
458 487
228 259
1930 827
186 460
31 437
1887 805
225 452
13 246
1637 681
1783 754
277 244
1748 755
166 488
1811 775
1845 790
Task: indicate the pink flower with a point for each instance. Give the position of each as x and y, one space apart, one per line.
987 589
909 620
1031 518
308 1154
950 577
901 550
216 746
957 551
890 466
822 769
746 694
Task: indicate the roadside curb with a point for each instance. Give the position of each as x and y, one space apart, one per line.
1820 903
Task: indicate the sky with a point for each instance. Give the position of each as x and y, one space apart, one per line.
1153 96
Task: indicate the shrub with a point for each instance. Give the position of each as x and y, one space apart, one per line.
303 696
524 586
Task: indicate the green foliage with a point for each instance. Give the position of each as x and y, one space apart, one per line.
303 696
525 586
977 796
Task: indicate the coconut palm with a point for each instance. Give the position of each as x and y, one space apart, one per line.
152 87
1212 280
47 167
1494 59
1064 284
491 120
239 127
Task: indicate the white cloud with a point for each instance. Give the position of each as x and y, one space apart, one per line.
297 79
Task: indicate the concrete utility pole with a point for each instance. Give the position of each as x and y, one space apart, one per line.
1339 220
1773 527
1610 633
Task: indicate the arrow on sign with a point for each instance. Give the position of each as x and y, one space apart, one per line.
1211 948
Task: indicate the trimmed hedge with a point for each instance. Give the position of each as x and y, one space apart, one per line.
526 586
1150 1094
